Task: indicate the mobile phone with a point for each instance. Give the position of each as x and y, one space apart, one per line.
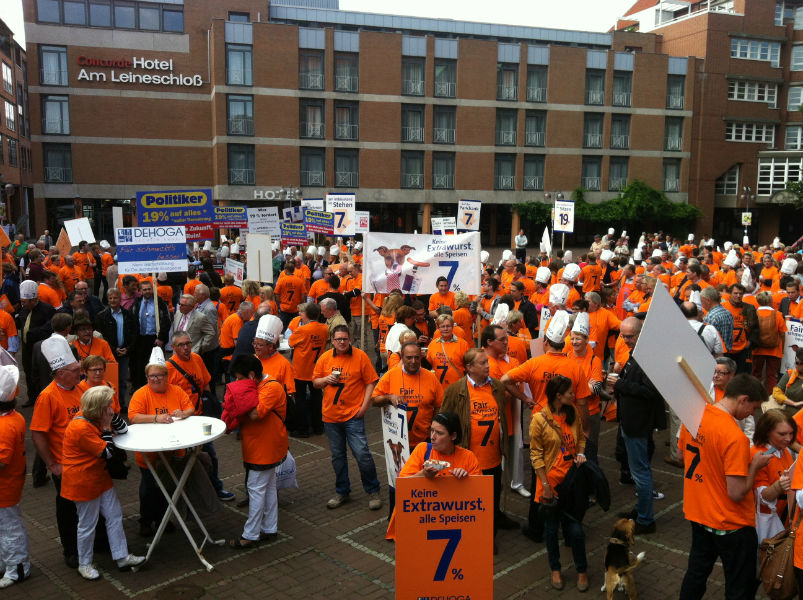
770 450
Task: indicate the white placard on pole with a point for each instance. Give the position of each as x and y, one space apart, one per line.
236 268
117 217
259 265
793 341
564 217
468 214
313 203
363 221
264 219
79 230
343 207
395 441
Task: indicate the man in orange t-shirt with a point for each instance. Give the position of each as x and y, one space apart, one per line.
347 379
446 352
308 341
231 329
69 274
591 275
290 292
443 297
769 356
230 294
718 492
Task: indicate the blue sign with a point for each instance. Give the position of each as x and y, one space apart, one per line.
175 207
318 221
151 249
294 234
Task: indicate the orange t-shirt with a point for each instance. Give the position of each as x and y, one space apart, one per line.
189 287
147 402
231 296
384 325
377 299
8 326
318 289
602 321
499 367
97 346
564 461
85 476
290 291
279 368
54 409
719 450
517 348
592 367
197 370
592 278
780 324
230 330
485 425
739 333
437 299
49 295
464 320
308 341
265 440
69 276
421 393
771 473
12 455
539 370
343 400
165 292
621 353
446 359
106 261
355 283
85 264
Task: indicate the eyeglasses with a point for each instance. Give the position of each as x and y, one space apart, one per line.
159 376
341 339
721 373
96 370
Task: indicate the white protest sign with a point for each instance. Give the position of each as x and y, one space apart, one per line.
449 225
264 219
259 265
151 249
236 268
794 340
546 242
343 207
546 315
313 203
564 217
665 338
437 225
79 230
412 263
363 221
468 214
394 440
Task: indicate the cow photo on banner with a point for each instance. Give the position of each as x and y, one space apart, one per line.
413 263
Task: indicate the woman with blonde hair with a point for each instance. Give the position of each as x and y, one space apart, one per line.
462 316
251 291
266 294
387 317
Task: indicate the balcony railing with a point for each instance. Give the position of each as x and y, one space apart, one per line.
442 135
617 184
621 98
620 141
346 179
507 92
346 131
671 185
533 182
445 89
443 182
58 175
505 182
413 87
673 144
590 183
312 130
592 140
312 178
413 180
238 76
52 77
595 97
535 138
310 81
241 177
536 94
346 83
241 126
412 134
506 138
675 101
55 126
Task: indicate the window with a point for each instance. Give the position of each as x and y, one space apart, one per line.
750 132
8 79
313 163
412 170
779 12
536 84
124 16
311 119
47 11
758 50
443 124
238 64
58 163
53 60
10 116
347 121
173 20
445 79
505 172
595 86
592 130
622 88
671 175
1 150
55 115
798 12
507 81
620 132
148 18
240 115
535 128
728 183
74 12
442 170
591 176
100 14
534 172
675 91
753 91
241 164
12 152
795 98
774 172
794 137
505 127
617 178
239 17
412 76
412 123
346 73
797 59
673 134
310 70
347 171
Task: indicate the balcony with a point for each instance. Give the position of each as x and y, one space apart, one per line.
595 97
346 83
620 142
671 185
533 182
675 101
52 77
536 94
443 182
238 76
241 126
617 184
241 177
312 178
673 144
445 89
56 126
310 81
591 183
58 174
505 138
442 135
535 138
412 134
505 182
346 179
413 180
312 130
507 92
592 140
621 98
413 87
346 131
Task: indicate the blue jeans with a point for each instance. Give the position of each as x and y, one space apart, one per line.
638 459
353 433
575 537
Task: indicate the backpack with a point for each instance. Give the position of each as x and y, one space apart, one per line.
767 329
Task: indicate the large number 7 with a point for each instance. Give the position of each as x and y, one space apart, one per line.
340 216
694 461
452 264
453 536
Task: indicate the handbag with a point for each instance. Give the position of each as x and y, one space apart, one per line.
286 473
777 565
115 464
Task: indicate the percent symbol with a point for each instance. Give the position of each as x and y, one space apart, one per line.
457 574
698 477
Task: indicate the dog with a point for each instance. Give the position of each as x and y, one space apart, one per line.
394 257
620 561
396 450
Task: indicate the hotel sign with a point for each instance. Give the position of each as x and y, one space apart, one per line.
126 70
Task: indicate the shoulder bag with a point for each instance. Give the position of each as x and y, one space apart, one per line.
209 404
777 565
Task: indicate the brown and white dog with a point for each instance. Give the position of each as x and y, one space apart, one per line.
620 561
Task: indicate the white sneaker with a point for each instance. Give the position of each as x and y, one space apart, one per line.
518 487
656 495
88 572
130 561
7 582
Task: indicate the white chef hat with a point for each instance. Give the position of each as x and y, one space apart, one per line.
776 243
223 239
556 332
321 251
567 256
235 248
484 256
636 254
710 243
624 233
358 246
745 240
104 245
311 250
9 377
208 245
691 237
727 246
747 280
286 251
558 294
788 266
29 289
657 253
57 352
571 272
275 244
500 314
157 357
732 259
269 328
543 275
507 254
334 250
582 324
611 230
606 255
195 247
694 296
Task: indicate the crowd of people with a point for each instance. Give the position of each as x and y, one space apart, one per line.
513 383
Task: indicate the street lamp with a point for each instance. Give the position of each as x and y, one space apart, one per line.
747 195
290 193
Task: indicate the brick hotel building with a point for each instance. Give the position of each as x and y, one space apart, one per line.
259 99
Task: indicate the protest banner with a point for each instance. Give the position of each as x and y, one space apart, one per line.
63 244
293 234
468 214
444 537
363 221
564 217
412 263
196 233
318 221
394 440
151 249
230 216
313 203
175 207
236 268
259 260
678 364
293 214
437 226
343 207
79 230
793 341
264 219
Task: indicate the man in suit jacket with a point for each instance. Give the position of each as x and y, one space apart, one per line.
33 325
153 329
119 328
202 333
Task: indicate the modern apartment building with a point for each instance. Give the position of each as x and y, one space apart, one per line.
259 99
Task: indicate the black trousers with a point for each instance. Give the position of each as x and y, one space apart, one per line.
152 503
497 475
740 358
140 357
309 400
738 553
66 520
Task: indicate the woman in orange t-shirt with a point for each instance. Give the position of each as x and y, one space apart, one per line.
87 482
775 430
769 357
446 352
463 317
